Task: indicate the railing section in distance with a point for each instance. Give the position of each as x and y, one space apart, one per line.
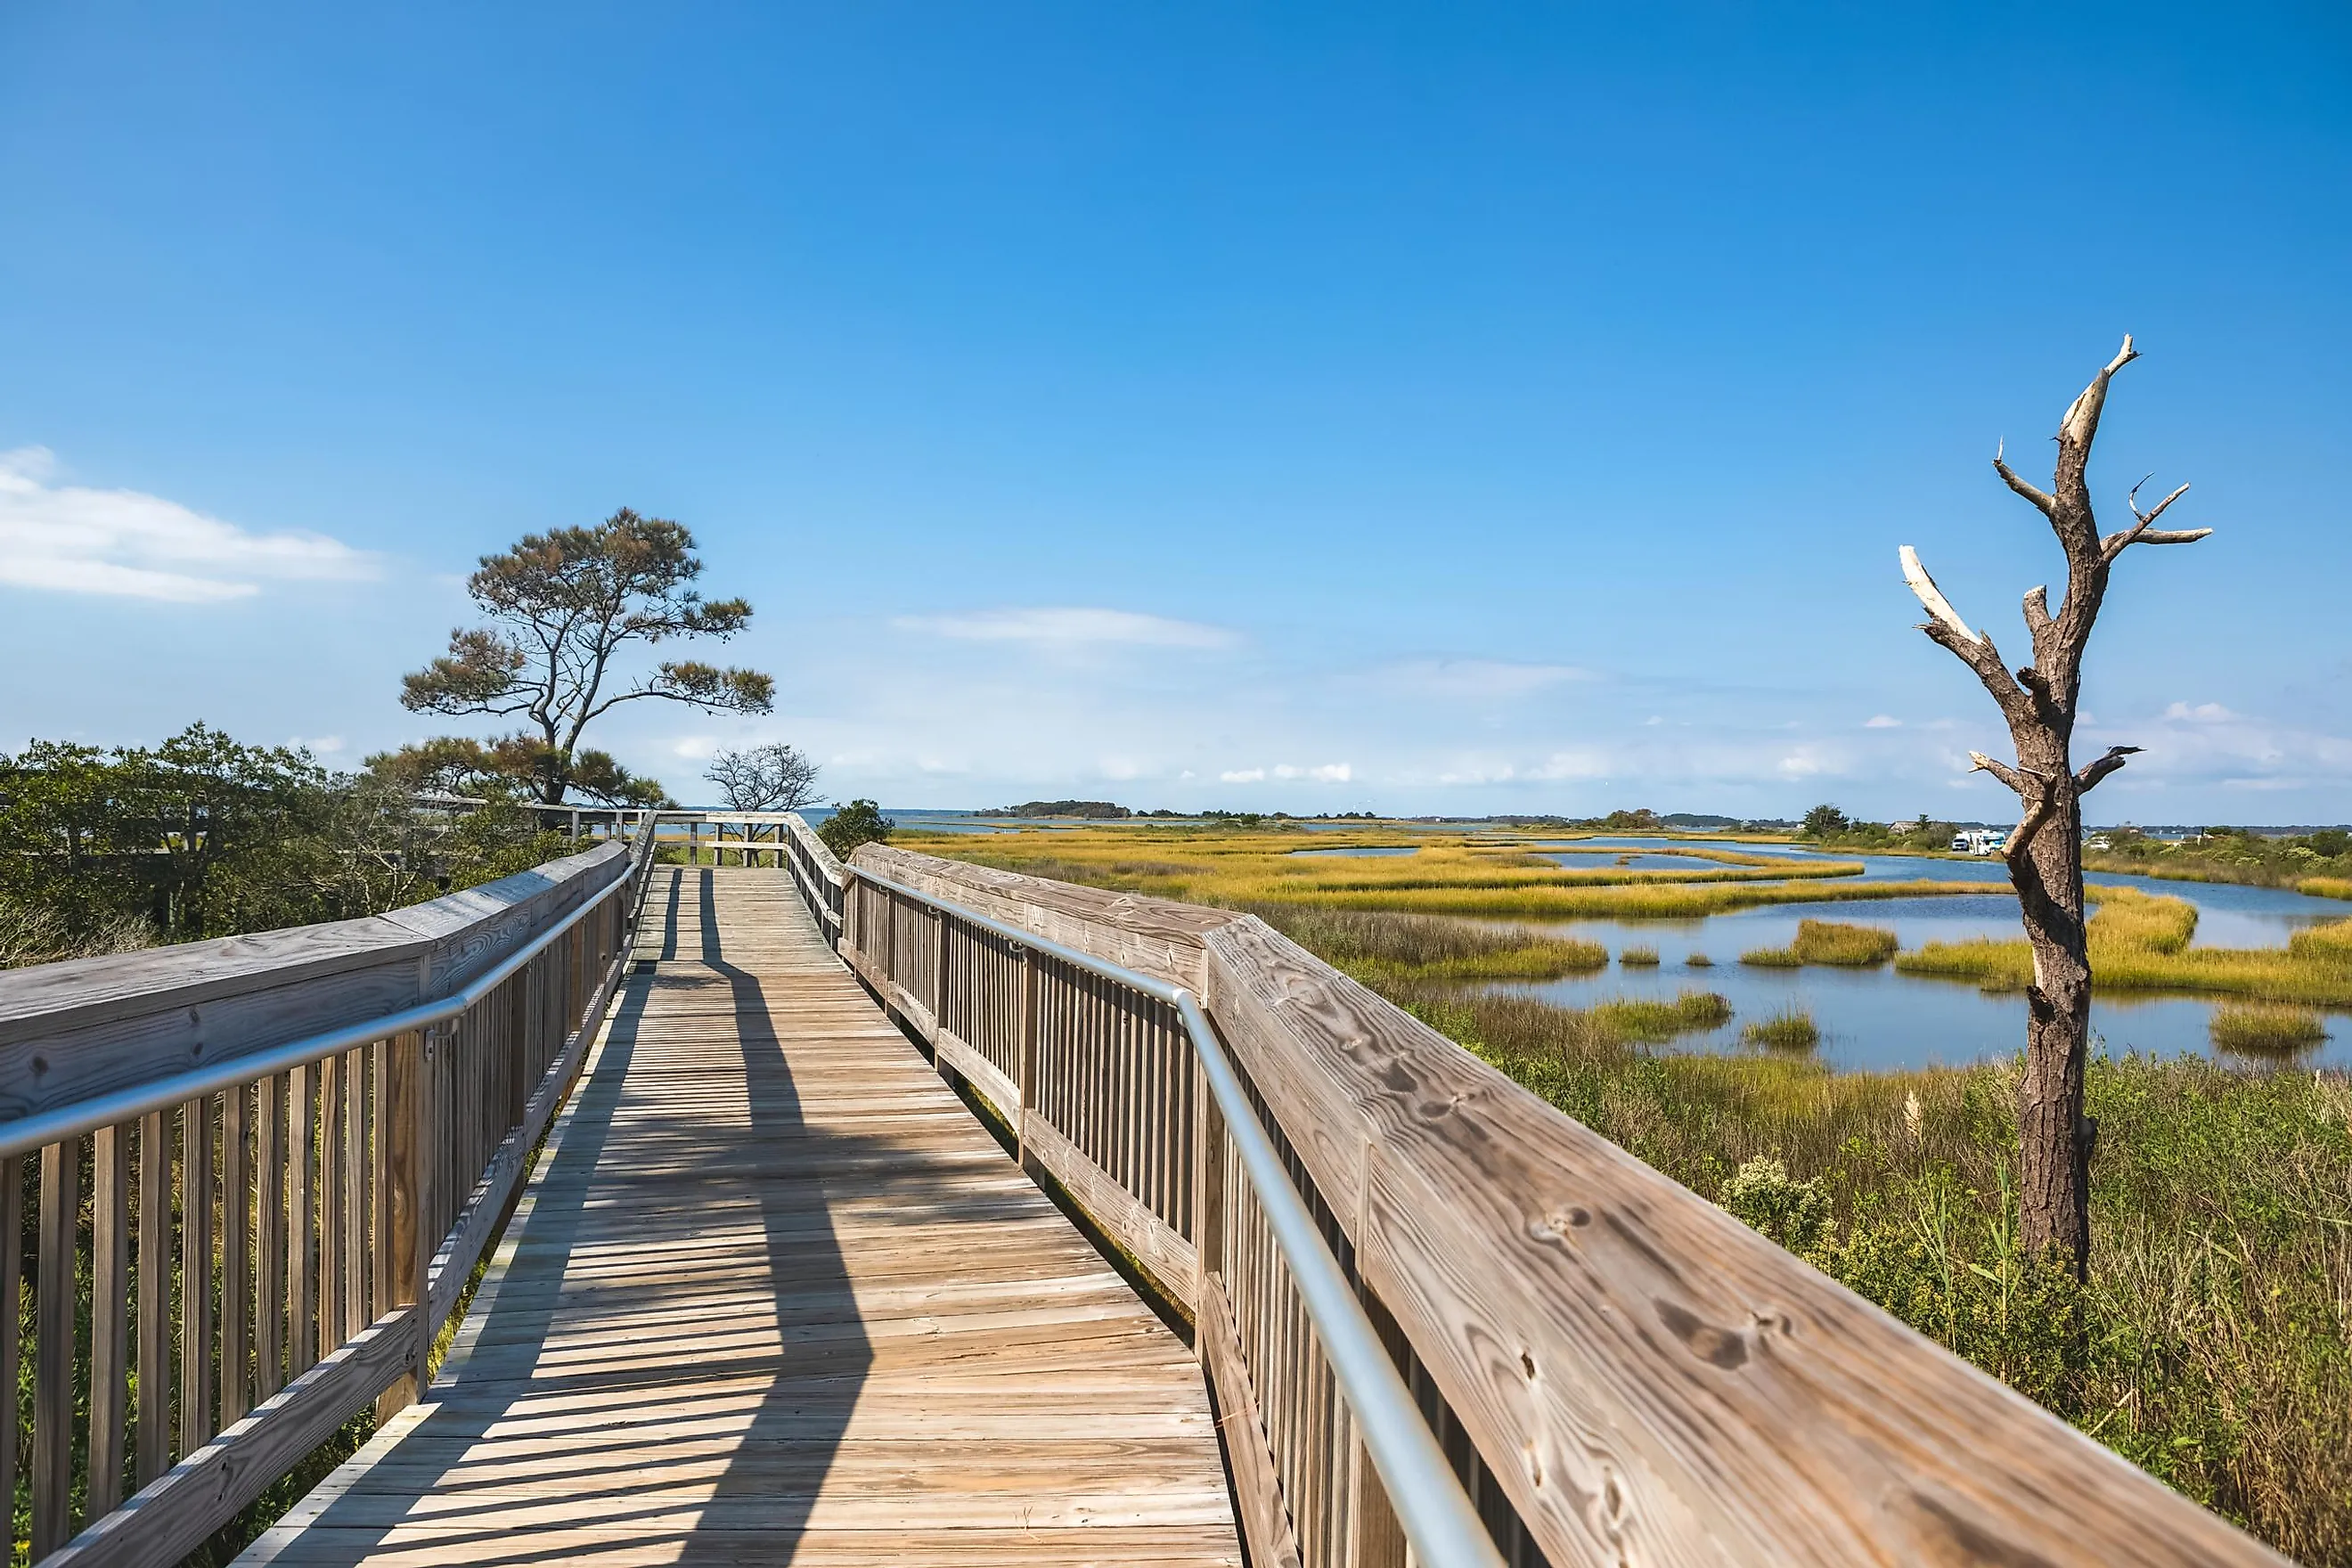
1615 1369
294 1147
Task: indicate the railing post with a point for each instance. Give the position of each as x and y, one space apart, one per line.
1025 1055
402 1127
940 981
1208 1193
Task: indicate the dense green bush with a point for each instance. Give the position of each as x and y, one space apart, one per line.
859 822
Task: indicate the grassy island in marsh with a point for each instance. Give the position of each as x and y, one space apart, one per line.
1486 874
2140 941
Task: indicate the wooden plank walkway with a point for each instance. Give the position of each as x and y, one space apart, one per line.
775 1297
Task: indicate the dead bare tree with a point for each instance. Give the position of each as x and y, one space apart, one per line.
773 777
2045 853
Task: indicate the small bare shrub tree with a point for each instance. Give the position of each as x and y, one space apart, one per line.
2045 853
773 777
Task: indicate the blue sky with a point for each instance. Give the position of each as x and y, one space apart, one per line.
1423 408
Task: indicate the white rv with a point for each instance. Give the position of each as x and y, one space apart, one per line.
1979 841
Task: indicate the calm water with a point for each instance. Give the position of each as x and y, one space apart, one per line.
1877 1018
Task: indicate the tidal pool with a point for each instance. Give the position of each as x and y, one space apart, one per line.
1879 1019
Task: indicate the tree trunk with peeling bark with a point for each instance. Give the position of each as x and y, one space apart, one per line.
2045 853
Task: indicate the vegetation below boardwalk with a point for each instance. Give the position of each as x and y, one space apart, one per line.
2140 941
2219 1351
2217 1343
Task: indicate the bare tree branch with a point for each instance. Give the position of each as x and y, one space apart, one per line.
1979 762
1933 597
2145 530
2009 476
2092 772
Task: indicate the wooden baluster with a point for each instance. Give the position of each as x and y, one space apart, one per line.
196 1274
53 1366
402 1262
236 1254
380 1270
269 1287
355 1192
12 1303
1208 1234
332 1208
940 992
302 1226
110 1317
154 1296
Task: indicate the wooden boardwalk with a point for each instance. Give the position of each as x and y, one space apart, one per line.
776 1297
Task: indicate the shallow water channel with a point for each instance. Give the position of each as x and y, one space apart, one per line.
1879 1019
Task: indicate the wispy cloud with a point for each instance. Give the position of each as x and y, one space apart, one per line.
1477 680
1882 721
1069 627
75 540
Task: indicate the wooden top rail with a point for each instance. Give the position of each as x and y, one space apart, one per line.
1643 1377
74 1031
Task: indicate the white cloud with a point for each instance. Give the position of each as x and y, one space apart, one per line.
75 540
1481 678
1882 721
323 746
2203 713
1242 776
1329 773
1070 628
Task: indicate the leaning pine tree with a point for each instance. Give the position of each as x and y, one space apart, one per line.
2045 854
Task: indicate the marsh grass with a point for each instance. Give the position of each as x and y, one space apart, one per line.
1850 946
1791 1029
1644 1020
1827 941
2262 1028
1375 945
2218 1314
1698 961
1638 958
2140 941
1493 876
2325 887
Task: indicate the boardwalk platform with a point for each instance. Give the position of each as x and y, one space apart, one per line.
776 1297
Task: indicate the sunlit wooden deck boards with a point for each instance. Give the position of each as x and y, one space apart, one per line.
776 1297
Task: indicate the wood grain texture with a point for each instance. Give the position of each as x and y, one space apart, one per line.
110 1317
773 1295
1157 937
71 1031
1648 1378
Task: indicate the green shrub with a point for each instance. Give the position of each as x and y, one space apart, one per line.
859 822
1795 1215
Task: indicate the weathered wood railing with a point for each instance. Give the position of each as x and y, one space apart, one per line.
295 1146
1617 1370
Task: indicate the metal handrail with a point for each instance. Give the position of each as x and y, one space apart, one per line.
27 1134
1431 1506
